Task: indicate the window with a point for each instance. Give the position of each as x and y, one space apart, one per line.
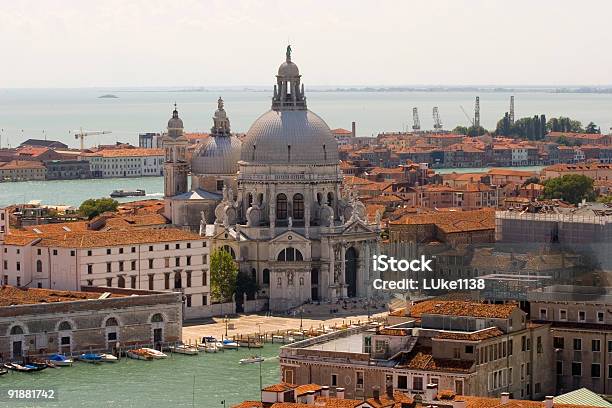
334 380
290 255
266 276
109 282
595 345
166 280
120 266
121 282
189 245
64 326
188 279
219 185
150 248
204 300
456 353
188 261
417 383
150 264
133 267
178 246
539 345
609 371
281 207
543 314
150 282
298 207
18 265
108 267
204 278
108 251
167 247
582 316
510 347
558 343
402 382
595 370
39 266
120 250
133 282
576 369
72 253
188 300
89 252
559 367
177 261
133 249
359 380
55 252
600 317
577 344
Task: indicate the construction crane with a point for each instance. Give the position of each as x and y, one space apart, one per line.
436 117
477 113
80 134
467 116
415 118
512 110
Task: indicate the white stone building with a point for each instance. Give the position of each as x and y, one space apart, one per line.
148 259
139 162
279 205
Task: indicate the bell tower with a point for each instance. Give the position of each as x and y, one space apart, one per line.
176 167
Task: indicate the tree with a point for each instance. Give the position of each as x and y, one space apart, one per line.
223 275
592 129
531 180
572 188
460 130
476 131
563 124
245 283
95 206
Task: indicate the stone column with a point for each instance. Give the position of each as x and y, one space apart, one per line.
343 270
307 205
272 214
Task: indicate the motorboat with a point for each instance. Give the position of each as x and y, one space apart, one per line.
156 354
139 354
209 339
211 348
92 358
252 360
128 193
60 360
184 349
230 344
108 358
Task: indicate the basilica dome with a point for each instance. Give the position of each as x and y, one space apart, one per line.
289 137
220 153
289 133
217 155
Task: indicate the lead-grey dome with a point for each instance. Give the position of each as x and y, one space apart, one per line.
217 155
289 137
288 69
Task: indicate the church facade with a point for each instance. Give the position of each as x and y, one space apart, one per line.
279 206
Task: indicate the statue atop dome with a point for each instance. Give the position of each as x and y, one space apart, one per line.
289 53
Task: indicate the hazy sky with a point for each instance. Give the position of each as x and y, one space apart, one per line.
65 43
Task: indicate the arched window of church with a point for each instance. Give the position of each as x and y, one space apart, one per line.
289 255
298 207
281 207
330 199
39 266
266 276
229 250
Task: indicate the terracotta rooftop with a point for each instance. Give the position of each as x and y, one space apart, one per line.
10 296
421 358
21 164
473 336
456 221
456 308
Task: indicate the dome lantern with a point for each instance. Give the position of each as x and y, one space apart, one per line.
175 125
288 93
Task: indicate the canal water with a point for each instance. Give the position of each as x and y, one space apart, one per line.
201 381
74 192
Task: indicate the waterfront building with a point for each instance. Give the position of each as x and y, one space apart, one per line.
593 170
466 347
136 258
125 162
22 170
150 140
581 331
275 202
42 321
51 144
67 169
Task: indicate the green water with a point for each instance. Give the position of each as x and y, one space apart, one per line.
152 384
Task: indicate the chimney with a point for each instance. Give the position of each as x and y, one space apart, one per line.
310 398
376 392
325 391
459 404
505 397
340 393
548 402
431 392
353 129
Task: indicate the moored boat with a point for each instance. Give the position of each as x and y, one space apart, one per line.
108 358
156 354
60 360
92 358
3 371
251 343
184 349
252 360
230 344
20 368
211 348
139 354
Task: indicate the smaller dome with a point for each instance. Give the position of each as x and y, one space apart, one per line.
288 69
217 155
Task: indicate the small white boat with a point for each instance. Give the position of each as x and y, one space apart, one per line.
230 345
252 360
61 360
251 343
156 354
108 358
139 354
184 349
211 348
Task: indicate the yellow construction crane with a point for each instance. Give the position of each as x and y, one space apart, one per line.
80 134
